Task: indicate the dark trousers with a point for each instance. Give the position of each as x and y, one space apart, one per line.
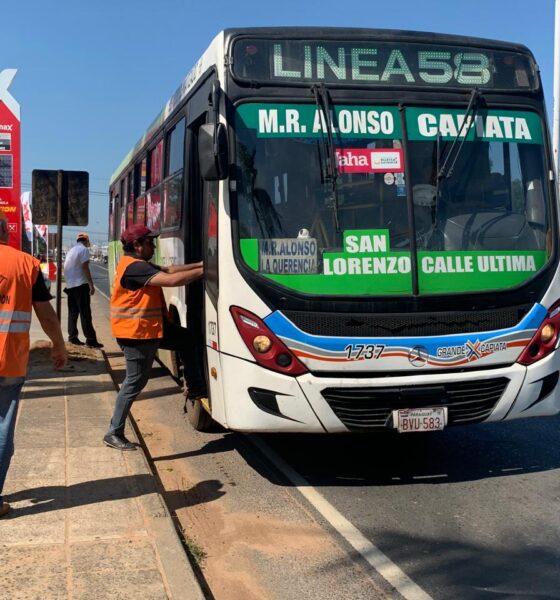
139 356
10 391
79 303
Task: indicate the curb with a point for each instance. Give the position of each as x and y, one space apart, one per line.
175 565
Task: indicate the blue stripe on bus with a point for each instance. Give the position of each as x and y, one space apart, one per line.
284 328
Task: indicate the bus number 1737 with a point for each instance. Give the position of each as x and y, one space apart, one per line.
364 351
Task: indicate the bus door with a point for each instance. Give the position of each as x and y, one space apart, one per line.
200 245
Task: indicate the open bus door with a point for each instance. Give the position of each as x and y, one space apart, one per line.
200 237
207 143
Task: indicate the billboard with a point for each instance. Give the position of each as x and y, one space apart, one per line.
10 158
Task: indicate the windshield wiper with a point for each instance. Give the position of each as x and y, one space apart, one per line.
445 172
323 103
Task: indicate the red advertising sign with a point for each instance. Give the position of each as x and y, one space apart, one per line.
10 158
369 160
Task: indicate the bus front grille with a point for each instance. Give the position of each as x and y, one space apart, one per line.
368 408
405 324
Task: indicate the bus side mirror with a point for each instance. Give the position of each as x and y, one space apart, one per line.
213 151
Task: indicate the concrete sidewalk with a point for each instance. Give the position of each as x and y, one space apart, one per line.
87 521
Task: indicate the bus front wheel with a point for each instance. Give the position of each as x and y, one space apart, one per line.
197 415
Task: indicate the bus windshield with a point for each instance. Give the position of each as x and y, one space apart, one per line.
485 226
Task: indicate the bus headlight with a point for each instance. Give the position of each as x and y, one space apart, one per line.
262 344
547 333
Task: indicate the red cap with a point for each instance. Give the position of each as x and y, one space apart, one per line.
136 232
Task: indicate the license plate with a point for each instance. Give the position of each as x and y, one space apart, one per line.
420 419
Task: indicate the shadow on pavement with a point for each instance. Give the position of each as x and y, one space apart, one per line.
454 568
456 455
77 389
223 444
202 493
56 497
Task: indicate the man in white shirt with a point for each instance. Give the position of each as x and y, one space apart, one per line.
79 287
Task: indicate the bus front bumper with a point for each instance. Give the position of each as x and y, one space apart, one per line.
267 401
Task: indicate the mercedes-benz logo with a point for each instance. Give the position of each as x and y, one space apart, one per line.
418 356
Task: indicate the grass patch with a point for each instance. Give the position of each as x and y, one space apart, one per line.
195 550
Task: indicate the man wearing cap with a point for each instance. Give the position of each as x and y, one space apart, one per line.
79 287
21 288
138 312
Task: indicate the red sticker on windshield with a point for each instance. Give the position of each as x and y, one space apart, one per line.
367 160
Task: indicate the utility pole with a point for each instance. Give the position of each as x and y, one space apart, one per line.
60 193
556 93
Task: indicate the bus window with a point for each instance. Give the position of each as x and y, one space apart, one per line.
173 185
130 214
122 224
112 216
140 177
172 194
156 171
175 148
494 199
153 206
211 262
130 184
117 217
124 191
122 208
285 187
140 210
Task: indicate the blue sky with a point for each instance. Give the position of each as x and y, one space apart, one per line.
92 76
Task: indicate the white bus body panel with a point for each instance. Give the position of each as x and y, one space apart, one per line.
216 384
242 414
526 404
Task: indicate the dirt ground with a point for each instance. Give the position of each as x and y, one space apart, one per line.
231 537
40 353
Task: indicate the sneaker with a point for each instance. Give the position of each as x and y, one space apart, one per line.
4 509
94 344
75 341
119 442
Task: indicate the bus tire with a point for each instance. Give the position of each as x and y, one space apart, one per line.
198 416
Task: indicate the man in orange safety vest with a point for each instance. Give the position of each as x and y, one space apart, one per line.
138 314
21 288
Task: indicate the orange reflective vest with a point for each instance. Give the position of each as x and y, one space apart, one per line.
136 315
18 273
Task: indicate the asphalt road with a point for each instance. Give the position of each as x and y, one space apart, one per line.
100 277
466 513
471 512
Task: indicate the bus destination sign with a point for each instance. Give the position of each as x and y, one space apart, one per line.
381 64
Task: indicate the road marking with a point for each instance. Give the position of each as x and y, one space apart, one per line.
379 561
102 293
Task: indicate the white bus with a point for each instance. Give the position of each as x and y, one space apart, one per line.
377 215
